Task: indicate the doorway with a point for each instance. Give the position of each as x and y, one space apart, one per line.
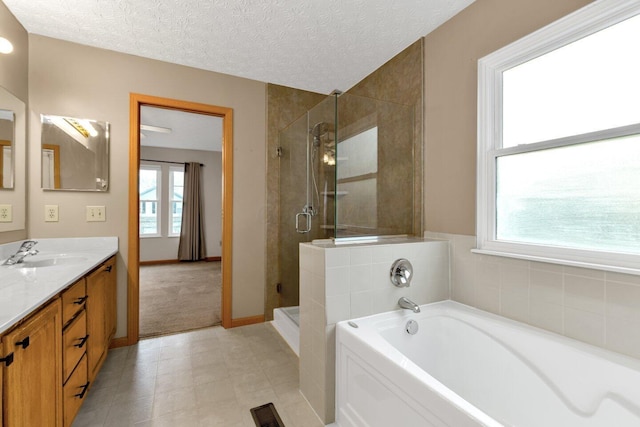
137 102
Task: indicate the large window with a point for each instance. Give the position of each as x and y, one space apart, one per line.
149 190
559 142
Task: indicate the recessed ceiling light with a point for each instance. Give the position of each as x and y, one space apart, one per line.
5 46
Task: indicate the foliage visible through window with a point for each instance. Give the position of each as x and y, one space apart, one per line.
149 189
176 191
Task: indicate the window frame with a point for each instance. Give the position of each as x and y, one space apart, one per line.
158 201
170 200
588 20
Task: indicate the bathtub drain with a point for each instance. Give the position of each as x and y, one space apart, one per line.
411 327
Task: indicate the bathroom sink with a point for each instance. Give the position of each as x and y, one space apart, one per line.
51 262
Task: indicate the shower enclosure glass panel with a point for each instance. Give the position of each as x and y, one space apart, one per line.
346 170
307 185
375 188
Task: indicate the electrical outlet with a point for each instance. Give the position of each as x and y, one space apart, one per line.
6 214
96 213
51 213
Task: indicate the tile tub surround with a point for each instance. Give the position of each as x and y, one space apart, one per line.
348 281
593 306
23 290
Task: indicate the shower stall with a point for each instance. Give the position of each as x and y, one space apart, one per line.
346 170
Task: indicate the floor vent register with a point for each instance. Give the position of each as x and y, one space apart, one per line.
266 416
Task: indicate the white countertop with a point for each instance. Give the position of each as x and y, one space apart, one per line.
24 289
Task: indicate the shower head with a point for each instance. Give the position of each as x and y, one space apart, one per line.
317 131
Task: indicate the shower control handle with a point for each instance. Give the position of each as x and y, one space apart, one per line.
307 216
401 273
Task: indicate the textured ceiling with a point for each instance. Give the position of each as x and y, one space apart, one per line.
310 44
189 131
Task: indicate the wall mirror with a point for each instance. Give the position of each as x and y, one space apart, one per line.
7 136
75 154
13 147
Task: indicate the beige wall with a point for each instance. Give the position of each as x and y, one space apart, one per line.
79 81
13 77
13 67
451 56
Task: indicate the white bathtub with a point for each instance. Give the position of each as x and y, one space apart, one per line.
466 367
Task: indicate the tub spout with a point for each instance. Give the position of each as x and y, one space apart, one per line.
406 303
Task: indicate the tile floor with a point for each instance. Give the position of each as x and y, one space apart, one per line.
208 377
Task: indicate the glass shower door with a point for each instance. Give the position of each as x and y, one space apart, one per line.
307 190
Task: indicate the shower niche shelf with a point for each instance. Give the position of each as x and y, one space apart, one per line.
331 227
334 193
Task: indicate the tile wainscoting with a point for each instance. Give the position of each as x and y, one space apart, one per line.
594 306
344 282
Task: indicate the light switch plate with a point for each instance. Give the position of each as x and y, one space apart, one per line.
96 214
6 213
50 213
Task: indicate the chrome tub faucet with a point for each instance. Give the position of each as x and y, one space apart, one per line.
407 304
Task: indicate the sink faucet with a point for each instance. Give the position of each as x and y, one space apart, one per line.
406 303
25 249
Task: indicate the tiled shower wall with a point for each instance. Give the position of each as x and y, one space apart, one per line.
399 81
594 306
340 283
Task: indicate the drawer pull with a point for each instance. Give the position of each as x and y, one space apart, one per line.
84 390
82 342
7 360
24 343
108 268
80 300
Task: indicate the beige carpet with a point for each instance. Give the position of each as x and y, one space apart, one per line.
179 297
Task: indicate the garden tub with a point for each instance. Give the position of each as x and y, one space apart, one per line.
466 367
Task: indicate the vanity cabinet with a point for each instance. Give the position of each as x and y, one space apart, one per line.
49 359
101 314
32 380
74 349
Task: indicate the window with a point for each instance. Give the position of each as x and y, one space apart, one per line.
176 191
559 142
149 191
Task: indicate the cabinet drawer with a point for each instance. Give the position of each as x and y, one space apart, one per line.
74 344
73 300
74 392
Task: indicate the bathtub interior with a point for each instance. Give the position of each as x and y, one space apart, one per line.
286 320
518 375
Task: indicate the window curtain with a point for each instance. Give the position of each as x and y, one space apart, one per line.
192 244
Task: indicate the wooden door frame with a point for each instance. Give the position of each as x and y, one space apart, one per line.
133 289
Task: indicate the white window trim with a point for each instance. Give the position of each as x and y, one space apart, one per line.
590 19
158 170
170 232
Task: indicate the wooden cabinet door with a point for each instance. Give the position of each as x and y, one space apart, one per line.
95 307
2 353
33 382
74 391
111 284
74 342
